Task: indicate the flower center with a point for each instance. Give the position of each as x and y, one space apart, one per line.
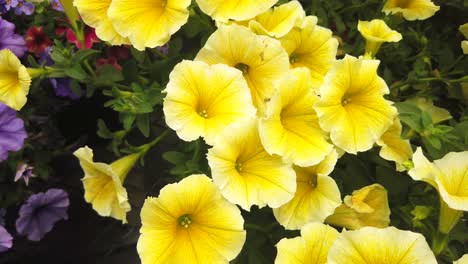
203 113
163 3
313 181
402 3
244 68
346 99
293 58
185 221
238 167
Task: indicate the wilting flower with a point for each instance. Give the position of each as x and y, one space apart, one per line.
352 107
6 240
14 80
38 215
36 40
411 9
103 183
245 173
395 148
203 100
261 59
311 247
448 176
25 172
290 127
190 222
316 197
437 114
365 207
377 32
148 23
278 21
225 10
12 132
94 14
462 260
311 46
10 40
374 245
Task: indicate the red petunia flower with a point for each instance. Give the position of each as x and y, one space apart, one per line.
89 38
36 40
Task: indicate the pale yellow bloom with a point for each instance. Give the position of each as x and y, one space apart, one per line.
261 59
464 46
225 10
310 248
190 222
202 100
464 30
462 260
316 197
278 21
352 107
365 207
290 127
14 80
94 14
245 173
437 114
411 9
148 23
103 183
449 176
377 32
311 46
395 148
383 246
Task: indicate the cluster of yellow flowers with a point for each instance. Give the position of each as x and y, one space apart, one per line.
278 110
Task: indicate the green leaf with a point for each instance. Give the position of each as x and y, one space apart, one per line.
143 124
83 54
174 157
76 72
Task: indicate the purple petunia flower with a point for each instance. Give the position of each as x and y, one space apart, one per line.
23 7
56 5
12 132
10 40
6 240
25 172
41 211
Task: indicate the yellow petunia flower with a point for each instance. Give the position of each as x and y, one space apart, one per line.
384 246
365 207
310 248
290 127
449 176
395 148
437 114
245 173
103 183
190 222
411 9
14 80
316 197
148 23
225 10
464 30
462 260
352 107
377 32
261 59
278 21
94 14
311 46
202 100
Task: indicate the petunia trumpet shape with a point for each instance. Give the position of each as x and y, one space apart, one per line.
14 80
377 32
352 107
245 173
411 9
203 100
393 147
225 10
190 222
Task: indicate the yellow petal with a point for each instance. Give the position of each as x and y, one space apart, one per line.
203 100
462 260
14 80
423 170
290 128
394 148
190 222
374 245
313 47
377 30
148 23
246 174
464 46
278 21
316 197
261 59
352 107
224 10
94 14
411 9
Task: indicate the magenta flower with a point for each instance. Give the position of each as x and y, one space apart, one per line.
12 132
41 211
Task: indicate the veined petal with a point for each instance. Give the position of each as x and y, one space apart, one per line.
423 170
411 9
394 148
224 10
14 80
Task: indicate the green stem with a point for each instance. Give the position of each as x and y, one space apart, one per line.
146 147
439 242
89 68
196 153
